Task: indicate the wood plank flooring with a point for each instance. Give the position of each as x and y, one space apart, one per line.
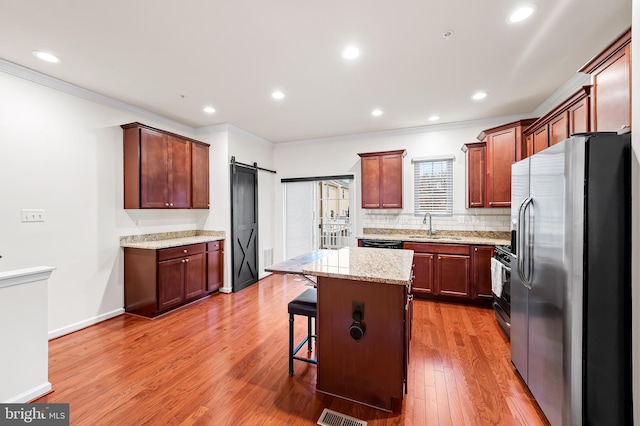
223 361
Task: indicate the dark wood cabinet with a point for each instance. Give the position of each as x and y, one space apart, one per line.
611 80
476 174
157 281
527 148
452 272
215 265
579 116
441 270
199 176
158 168
481 272
504 147
559 128
423 272
571 116
540 139
382 179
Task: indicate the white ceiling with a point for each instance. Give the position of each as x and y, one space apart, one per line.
174 57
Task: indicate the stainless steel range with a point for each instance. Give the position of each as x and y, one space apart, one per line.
502 303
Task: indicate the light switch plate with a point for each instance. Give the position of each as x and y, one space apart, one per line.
32 215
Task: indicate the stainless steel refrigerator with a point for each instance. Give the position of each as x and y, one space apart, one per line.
571 287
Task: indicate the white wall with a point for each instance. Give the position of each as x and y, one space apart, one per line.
339 156
63 154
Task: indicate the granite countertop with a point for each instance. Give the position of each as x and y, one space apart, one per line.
365 264
490 238
170 239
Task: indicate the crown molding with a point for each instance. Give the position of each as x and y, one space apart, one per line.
485 122
224 127
232 129
575 83
63 86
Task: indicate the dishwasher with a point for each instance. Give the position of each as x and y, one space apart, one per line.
390 244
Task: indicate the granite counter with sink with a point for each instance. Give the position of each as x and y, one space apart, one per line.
490 238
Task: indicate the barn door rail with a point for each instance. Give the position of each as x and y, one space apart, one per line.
254 166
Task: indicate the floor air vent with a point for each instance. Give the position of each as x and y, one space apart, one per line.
333 418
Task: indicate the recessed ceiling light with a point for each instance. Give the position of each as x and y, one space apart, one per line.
45 56
376 112
479 95
277 95
522 13
351 52
209 110
434 118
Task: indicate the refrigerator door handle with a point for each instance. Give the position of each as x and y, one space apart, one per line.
521 244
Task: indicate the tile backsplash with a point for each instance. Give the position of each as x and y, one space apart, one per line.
464 220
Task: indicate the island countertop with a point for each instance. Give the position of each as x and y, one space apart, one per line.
365 264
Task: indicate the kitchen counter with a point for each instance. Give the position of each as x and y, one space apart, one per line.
365 264
490 238
170 239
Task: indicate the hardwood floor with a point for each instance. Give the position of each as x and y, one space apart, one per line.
224 361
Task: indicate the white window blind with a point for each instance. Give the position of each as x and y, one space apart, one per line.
433 186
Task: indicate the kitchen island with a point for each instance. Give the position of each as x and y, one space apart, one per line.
363 324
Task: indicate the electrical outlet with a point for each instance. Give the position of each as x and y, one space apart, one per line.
32 215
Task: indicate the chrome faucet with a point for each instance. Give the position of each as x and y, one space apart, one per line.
424 221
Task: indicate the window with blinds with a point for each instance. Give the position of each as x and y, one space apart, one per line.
433 186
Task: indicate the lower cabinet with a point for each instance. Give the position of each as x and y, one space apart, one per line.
215 264
157 281
452 271
481 272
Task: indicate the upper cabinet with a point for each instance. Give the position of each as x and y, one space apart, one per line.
504 147
163 170
199 176
571 116
382 179
611 80
476 173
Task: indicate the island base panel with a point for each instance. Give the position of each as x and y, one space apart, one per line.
369 371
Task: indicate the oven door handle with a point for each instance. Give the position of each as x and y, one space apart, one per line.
525 277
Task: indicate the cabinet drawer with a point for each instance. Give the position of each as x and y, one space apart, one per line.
437 248
173 252
214 245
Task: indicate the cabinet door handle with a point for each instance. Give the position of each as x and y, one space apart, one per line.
185 250
182 261
186 260
166 204
171 204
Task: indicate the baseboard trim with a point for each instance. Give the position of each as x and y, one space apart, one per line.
226 290
85 323
31 394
